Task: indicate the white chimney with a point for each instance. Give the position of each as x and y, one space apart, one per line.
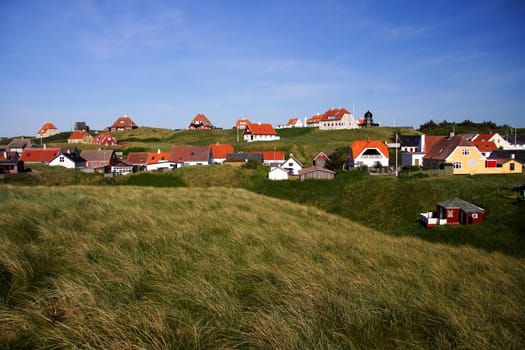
512 156
158 150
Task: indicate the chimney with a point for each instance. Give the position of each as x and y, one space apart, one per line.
451 134
512 156
158 150
45 146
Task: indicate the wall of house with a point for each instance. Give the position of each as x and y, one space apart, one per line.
346 122
452 215
473 163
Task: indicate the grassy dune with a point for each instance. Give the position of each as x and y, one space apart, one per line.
156 268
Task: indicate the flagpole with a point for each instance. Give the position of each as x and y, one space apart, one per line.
397 144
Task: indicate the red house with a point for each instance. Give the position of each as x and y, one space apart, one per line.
453 212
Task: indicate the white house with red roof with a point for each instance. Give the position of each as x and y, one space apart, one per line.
292 123
337 119
371 153
219 151
48 129
123 123
271 158
260 132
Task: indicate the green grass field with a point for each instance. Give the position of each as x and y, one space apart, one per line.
124 267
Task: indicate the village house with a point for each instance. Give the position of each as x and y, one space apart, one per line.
99 159
48 129
70 160
157 161
485 144
272 158
292 165
200 122
80 137
277 173
316 173
293 123
190 155
123 123
453 212
40 155
10 163
370 153
105 139
313 121
18 145
414 147
322 158
121 167
337 119
139 160
241 124
219 151
260 132
239 159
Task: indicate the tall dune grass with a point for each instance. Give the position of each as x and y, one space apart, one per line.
190 268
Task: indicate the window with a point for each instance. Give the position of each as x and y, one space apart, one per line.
474 215
61 159
450 213
457 165
512 166
466 152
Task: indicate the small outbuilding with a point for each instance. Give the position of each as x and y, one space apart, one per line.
453 211
316 173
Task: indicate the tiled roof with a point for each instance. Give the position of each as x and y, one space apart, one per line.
314 119
124 122
155 157
200 119
20 143
97 155
45 127
272 155
241 123
181 154
315 169
221 150
292 121
243 157
443 148
39 155
461 204
359 146
430 141
137 157
334 114
484 146
78 135
105 139
260 129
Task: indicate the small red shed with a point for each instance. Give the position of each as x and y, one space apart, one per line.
458 211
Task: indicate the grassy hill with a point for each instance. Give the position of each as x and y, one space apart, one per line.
158 268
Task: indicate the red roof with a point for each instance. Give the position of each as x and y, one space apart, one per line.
124 122
78 135
430 141
443 148
137 157
47 126
181 154
314 119
241 123
359 146
155 157
105 139
260 129
39 155
292 121
220 150
484 146
200 122
272 155
334 114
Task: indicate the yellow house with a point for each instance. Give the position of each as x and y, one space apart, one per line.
466 159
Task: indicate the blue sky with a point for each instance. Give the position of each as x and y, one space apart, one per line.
162 62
